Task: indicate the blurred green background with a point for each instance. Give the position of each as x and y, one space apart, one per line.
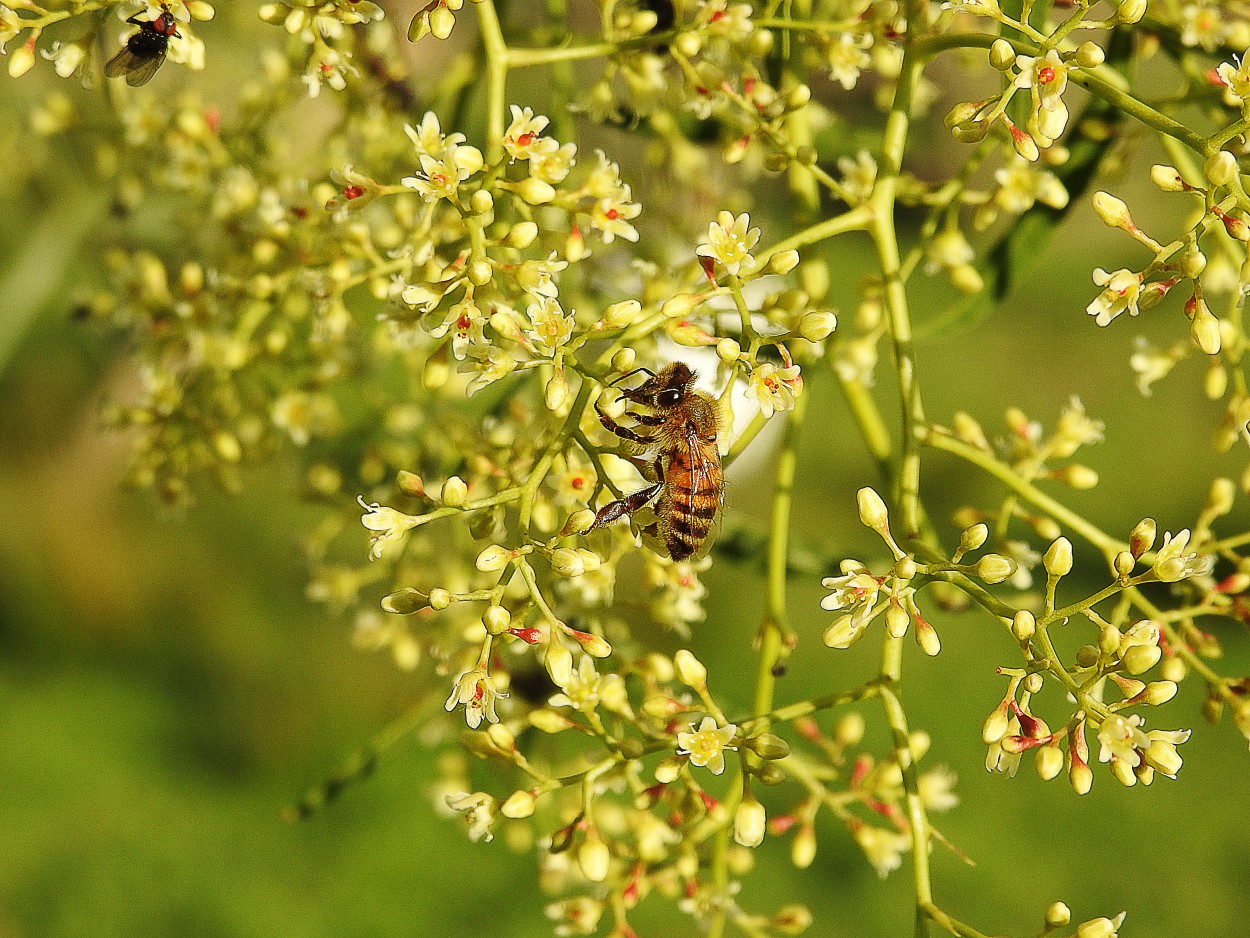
166 689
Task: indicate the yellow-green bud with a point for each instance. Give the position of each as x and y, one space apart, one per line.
556 393
404 601
782 262
817 326
872 510
559 662
1158 692
728 350
896 620
1081 777
493 558
1087 656
481 202
521 235
1101 927
454 492
1058 558
1089 55
520 804
1023 625
1113 212
1204 329
442 21
534 191
667 770
1123 564
497 619
440 599
749 821
548 721
594 857
1049 762
1109 639
1058 915
973 537
624 360
688 44
803 847
1167 178
927 638
622 314
690 671
1138 659
1002 55
1220 168
1129 11
768 746
994 568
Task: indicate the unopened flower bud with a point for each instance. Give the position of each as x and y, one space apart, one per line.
520 804
1142 537
1167 178
1023 625
556 393
442 21
1138 659
404 601
1049 762
768 746
22 58
688 44
927 638
534 191
681 305
1089 55
521 235
1123 564
480 272
594 645
454 492
1081 777
1220 168
1158 692
962 113
624 360
872 510
749 822
994 568
728 350
1204 329
566 562
1002 55
622 314
548 721
497 619
896 620
1113 212
668 769
1058 558
440 599
996 724
1129 11
559 662
1099 927
803 847
594 857
493 558
817 326
782 262
1058 915
690 671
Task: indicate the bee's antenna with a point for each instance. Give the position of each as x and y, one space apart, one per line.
630 374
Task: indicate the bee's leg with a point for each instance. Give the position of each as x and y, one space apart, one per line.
613 511
625 433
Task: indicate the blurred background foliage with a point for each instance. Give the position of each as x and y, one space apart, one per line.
166 689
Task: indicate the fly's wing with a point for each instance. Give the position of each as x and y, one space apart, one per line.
138 66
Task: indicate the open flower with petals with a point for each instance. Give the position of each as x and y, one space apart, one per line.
1046 77
476 690
388 526
479 809
523 139
1172 563
428 139
706 745
729 242
883 848
775 388
441 177
551 326
582 690
1120 737
1121 293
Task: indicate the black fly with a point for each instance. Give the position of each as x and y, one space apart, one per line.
145 50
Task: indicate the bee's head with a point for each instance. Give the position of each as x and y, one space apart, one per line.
665 389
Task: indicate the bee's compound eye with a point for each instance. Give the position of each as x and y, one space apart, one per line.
669 397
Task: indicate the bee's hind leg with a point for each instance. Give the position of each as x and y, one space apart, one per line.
615 510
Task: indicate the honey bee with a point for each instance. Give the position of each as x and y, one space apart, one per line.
687 484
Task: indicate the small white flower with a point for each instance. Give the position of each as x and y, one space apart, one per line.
729 242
